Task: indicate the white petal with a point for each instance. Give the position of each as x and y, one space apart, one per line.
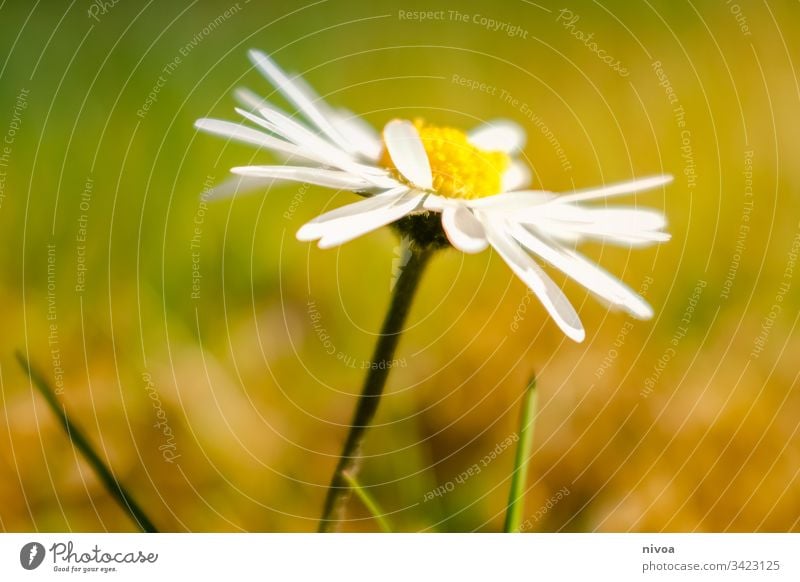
254 102
301 135
617 189
501 135
511 201
287 150
517 176
567 232
318 176
463 229
553 299
361 135
619 234
367 223
624 225
635 240
322 151
237 185
317 227
291 130
407 152
305 149
343 230
365 139
438 203
558 231
588 274
627 218
623 218
296 95
248 135
248 98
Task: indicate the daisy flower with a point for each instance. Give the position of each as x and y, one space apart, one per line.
441 185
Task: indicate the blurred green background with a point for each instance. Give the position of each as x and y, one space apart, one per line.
688 422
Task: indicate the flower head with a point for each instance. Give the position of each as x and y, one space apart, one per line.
458 167
472 184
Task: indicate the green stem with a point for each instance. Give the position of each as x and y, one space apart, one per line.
339 490
82 443
368 501
520 476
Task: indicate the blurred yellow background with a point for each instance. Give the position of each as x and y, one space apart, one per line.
224 411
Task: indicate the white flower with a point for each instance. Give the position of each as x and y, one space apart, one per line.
472 180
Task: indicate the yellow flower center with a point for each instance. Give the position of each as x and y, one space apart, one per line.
459 169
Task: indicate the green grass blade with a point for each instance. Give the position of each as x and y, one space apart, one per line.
82 443
368 501
519 478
